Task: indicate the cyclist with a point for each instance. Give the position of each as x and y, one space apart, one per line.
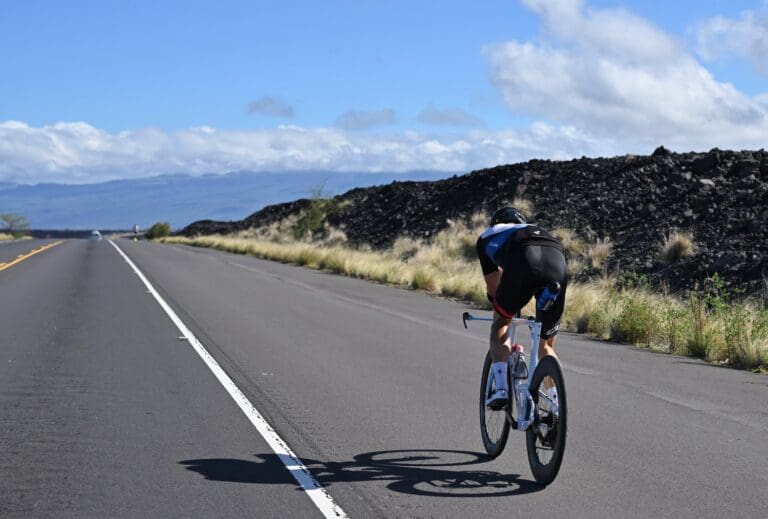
519 260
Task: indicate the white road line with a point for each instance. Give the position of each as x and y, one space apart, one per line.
295 466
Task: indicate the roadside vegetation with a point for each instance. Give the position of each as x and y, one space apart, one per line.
677 245
158 230
711 323
12 226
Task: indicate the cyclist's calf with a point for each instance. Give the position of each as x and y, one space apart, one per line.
500 344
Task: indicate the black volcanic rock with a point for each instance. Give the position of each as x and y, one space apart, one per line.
635 201
707 163
267 216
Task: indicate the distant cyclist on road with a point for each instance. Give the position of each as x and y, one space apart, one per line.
519 261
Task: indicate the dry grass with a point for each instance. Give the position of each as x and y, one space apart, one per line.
334 237
479 220
441 267
5 236
525 206
736 335
572 244
583 256
597 254
406 248
575 267
677 245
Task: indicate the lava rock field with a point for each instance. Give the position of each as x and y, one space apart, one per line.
721 197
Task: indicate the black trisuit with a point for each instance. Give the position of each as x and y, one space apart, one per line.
530 259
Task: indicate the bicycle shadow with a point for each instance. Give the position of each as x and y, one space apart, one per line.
425 472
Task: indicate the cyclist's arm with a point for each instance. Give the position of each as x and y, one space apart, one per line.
492 282
491 271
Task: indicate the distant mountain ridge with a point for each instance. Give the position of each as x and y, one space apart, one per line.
177 199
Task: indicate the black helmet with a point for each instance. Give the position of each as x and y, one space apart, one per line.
507 215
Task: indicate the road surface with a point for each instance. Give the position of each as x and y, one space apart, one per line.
106 410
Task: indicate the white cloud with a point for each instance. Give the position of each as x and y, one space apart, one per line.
448 117
78 152
746 36
615 75
597 81
270 106
358 120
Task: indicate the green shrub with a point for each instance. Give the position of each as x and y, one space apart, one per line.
310 221
699 339
14 224
636 322
676 327
596 322
159 230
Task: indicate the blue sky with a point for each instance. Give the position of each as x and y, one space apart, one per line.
181 64
341 84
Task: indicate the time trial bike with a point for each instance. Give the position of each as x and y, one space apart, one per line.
537 392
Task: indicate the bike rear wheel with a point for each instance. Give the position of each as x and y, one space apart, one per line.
545 438
494 426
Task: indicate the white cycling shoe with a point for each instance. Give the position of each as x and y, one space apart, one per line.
551 394
498 400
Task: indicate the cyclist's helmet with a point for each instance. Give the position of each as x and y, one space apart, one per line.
507 215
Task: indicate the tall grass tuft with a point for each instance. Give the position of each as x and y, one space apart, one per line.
677 245
524 205
424 279
572 244
597 253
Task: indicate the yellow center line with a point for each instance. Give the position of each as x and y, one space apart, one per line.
29 254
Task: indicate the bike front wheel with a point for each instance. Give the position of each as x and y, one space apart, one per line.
545 438
494 426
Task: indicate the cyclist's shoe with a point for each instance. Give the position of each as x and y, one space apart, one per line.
551 394
498 400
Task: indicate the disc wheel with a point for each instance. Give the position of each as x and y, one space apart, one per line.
494 426
545 438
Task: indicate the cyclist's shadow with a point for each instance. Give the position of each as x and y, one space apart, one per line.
428 472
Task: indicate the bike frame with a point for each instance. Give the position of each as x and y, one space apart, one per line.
521 391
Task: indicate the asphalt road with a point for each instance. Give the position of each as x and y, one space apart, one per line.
105 412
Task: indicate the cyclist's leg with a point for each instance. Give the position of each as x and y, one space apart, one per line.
550 324
500 346
509 299
547 347
499 351
512 295
553 268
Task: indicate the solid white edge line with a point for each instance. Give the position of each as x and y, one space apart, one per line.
293 464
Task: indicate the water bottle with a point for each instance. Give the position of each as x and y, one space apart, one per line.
521 392
517 366
548 296
519 374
